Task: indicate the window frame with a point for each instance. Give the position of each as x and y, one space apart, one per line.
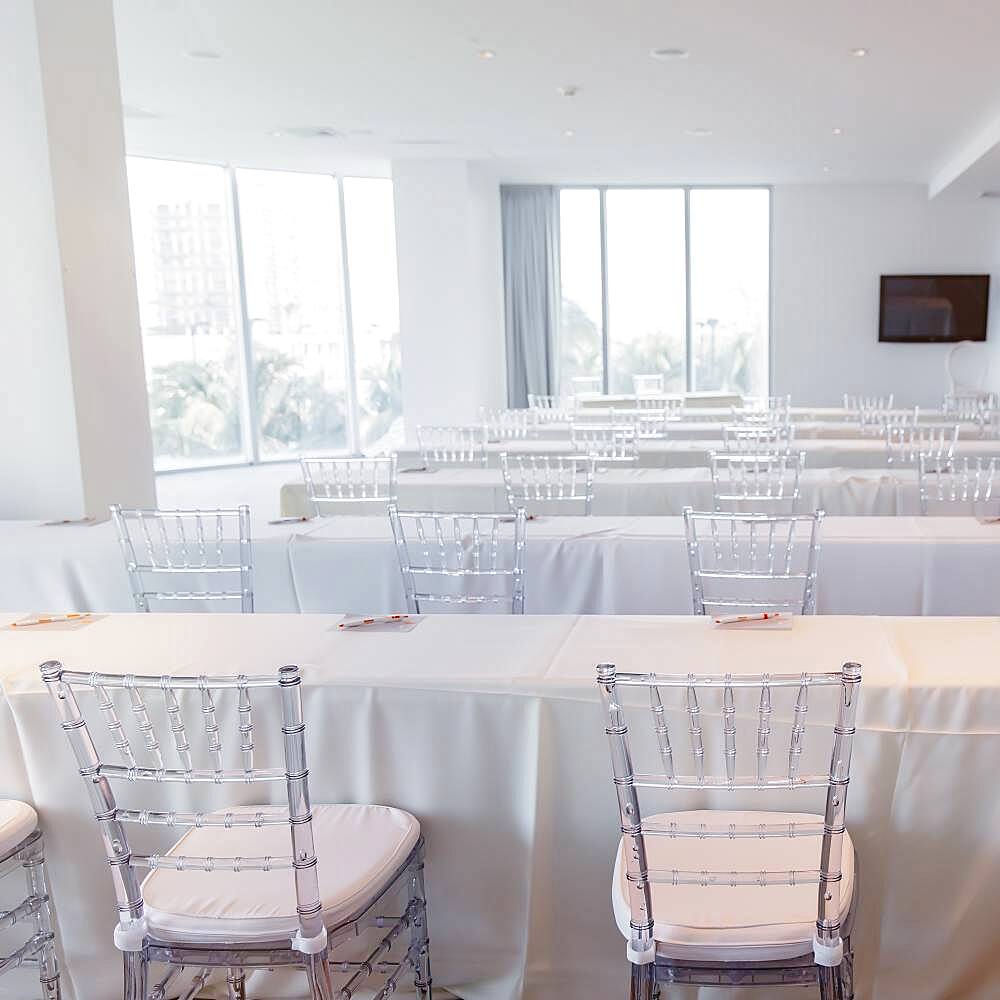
602 190
249 411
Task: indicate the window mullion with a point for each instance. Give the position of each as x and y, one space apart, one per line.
250 414
351 396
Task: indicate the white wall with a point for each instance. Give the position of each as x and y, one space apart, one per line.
831 244
75 434
450 291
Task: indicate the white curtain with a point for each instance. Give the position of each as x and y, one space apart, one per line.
531 288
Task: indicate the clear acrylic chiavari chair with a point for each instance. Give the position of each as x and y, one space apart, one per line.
753 563
906 442
758 483
546 409
333 483
247 886
459 445
764 409
187 556
22 851
725 897
550 484
967 486
647 385
610 443
507 425
758 438
460 561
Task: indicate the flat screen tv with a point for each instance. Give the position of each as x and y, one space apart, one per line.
933 308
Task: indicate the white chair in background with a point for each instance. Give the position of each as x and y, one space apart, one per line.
507 425
752 563
758 483
758 438
459 445
247 886
22 851
905 442
647 385
964 487
549 484
460 561
716 897
332 483
189 556
968 367
587 385
609 443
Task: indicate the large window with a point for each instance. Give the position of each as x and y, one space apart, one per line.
269 311
666 280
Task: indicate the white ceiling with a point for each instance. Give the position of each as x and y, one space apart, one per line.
402 79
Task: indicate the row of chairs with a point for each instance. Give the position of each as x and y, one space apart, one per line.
301 885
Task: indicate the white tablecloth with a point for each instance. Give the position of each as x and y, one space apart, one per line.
821 453
488 729
642 491
597 565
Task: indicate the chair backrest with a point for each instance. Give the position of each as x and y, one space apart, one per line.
460 560
555 484
587 385
757 408
507 425
758 438
968 366
648 385
134 709
609 443
905 442
757 483
546 409
966 486
752 563
859 404
675 704
187 555
459 445
332 483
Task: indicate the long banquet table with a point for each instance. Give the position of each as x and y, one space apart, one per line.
640 491
488 729
596 565
821 453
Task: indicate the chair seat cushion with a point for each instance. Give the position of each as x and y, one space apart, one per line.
17 821
732 923
360 849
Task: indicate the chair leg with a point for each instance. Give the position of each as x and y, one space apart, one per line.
419 938
136 975
38 888
318 974
642 981
831 983
236 985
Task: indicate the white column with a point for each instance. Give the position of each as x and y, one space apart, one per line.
74 433
450 269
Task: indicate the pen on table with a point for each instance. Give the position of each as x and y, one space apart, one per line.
764 616
74 616
377 620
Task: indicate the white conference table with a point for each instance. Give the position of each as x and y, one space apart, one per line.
628 490
488 729
574 565
821 453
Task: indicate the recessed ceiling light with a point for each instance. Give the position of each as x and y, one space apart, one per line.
838 131
567 91
699 132
826 169
569 133
665 54
203 54
860 53
486 54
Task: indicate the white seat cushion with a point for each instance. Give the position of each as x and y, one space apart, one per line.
17 820
360 848
732 923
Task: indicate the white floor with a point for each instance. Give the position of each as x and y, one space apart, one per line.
256 485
